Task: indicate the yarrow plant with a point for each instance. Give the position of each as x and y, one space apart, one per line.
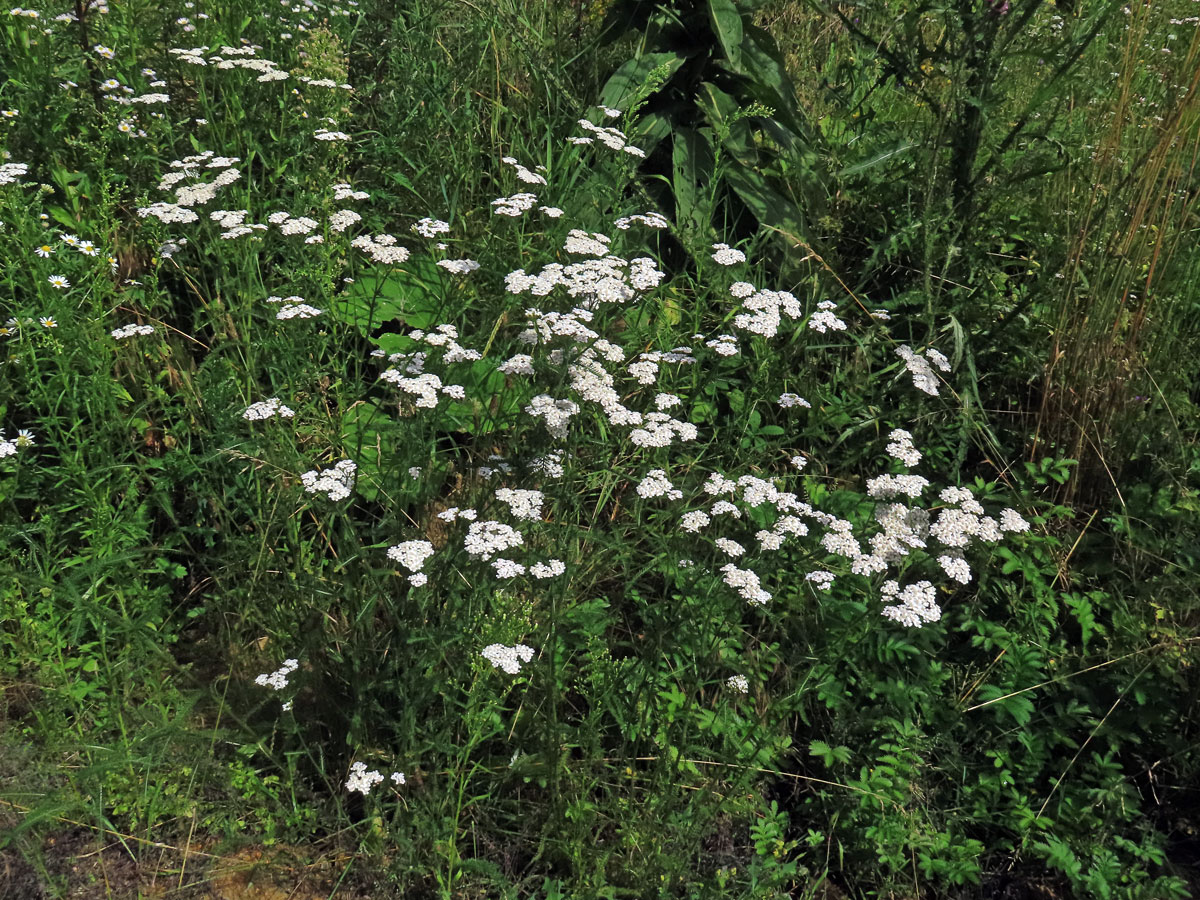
507 659
569 379
278 679
603 507
335 483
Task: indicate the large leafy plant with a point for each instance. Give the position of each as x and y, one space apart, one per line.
722 128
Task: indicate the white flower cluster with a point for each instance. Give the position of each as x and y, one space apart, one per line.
550 465
649 219
580 367
717 484
724 255
730 548
424 387
1010 520
278 679
788 400
901 448
297 311
335 484
485 539
507 568
189 195
524 174
266 409
901 529
585 244
508 659
888 486
591 283
324 82
128 331
822 580
345 191
342 219
522 504
738 683
923 376
10 173
914 606
824 320
411 554
956 567
289 224
746 583
514 206
168 213
234 223
660 430
723 345
555 413
520 364
765 310
382 248
612 138
549 569
501 467
656 484
430 228
459 266
361 779
268 69
446 337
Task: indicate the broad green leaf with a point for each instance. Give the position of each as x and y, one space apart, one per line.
877 159
763 63
407 294
692 175
370 433
769 206
719 108
626 83
727 23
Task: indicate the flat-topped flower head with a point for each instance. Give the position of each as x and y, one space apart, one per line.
522 504
278 679
915 605
901 447
724 255
550 569
1011 520
361 780
486 539
411 554
128 331
508 659
335 483
789 400
430 228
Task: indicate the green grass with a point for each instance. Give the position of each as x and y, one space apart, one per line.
1030 729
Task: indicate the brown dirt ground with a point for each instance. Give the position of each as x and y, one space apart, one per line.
76 863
